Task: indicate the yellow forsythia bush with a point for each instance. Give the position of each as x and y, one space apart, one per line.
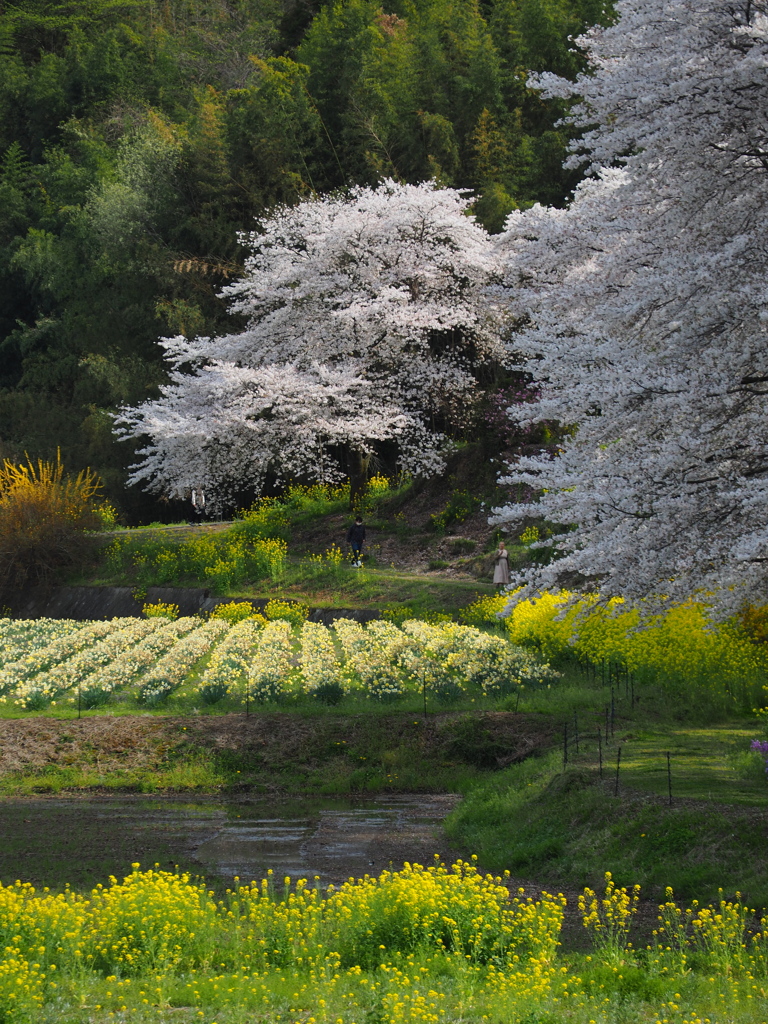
47 519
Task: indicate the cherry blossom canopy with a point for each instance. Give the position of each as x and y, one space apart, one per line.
646 314
367 317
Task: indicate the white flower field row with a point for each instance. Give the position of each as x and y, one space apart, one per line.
21 636
44 662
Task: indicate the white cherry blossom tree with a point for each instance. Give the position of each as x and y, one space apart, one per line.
643 311
367 320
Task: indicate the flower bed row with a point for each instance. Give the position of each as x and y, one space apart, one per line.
149 659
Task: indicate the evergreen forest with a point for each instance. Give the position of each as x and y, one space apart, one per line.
139 137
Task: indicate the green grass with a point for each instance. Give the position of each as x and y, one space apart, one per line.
196 774
184 701
567 825
317 584
712 763
623 994
373 587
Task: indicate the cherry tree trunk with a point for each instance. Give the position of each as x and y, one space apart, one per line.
358 467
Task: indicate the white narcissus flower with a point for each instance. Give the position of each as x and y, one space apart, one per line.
170 671
54 647
123 636
155 657
230 661
127 667
270 668
318 659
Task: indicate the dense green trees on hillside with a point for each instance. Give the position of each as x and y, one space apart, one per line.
137 137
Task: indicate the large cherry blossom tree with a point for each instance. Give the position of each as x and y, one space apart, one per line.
643 311
367 321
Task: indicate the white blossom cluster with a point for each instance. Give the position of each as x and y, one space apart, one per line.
23 636
271 665
643 312
491 663
230 660
52 649
128 667
373 657
368 316
171 670
48 686
318 660
434 663
385 661
449 659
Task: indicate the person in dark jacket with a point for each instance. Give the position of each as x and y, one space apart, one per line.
355 538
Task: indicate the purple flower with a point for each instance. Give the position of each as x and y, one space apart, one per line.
762 747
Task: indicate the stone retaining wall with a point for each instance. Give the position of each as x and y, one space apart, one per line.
110 602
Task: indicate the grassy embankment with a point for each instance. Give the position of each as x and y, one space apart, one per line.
269 753
428 550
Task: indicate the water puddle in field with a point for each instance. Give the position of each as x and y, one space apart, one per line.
83 840
331 840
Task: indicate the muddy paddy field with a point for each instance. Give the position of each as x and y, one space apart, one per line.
330 795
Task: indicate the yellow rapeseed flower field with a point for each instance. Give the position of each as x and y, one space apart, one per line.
418 946
681 650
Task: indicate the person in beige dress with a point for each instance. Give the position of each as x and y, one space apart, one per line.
501 570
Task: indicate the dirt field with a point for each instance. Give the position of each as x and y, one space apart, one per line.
110 743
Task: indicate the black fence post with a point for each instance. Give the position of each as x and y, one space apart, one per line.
618 765
565 745
600 751
669 779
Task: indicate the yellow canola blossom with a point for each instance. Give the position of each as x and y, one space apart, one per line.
680 649
416 946
161 920
21 986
